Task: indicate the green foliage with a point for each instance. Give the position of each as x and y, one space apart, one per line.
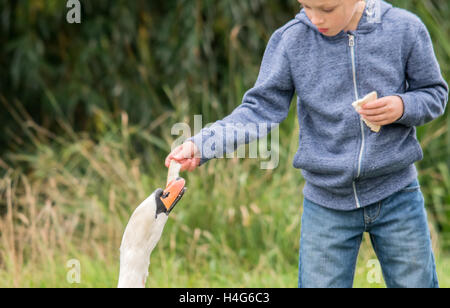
139 56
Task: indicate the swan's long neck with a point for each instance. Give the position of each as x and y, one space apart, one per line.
134 270
140 238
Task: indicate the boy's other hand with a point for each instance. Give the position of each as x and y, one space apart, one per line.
383 111
187 155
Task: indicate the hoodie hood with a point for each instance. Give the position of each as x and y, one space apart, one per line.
372 16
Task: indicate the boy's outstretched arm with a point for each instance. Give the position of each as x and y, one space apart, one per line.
427 95
266 103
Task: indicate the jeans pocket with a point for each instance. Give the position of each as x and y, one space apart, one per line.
411 187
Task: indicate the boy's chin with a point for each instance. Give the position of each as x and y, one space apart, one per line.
331 33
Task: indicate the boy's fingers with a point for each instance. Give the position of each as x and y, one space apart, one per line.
193 165
185 165
183 154
168 159
171 156
373 112
175 152
379 103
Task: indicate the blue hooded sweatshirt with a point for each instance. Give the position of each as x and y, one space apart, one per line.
344 163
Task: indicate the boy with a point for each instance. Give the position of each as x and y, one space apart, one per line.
334 53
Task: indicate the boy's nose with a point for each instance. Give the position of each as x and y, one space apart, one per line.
316 20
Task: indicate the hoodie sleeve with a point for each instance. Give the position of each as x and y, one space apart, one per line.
427 94
263 107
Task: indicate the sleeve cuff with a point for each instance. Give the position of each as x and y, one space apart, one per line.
408 117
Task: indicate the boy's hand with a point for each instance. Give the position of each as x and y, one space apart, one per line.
383 111
187 155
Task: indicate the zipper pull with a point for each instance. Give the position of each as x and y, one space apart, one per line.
351 40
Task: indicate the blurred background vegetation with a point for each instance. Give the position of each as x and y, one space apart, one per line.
86 112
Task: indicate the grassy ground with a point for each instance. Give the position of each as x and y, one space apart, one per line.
174 273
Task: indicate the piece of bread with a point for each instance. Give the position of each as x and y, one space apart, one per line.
358 106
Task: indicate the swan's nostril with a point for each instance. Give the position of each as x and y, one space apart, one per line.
166 195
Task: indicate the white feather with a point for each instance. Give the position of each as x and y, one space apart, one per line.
141 235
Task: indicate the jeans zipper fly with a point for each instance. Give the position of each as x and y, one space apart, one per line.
352 51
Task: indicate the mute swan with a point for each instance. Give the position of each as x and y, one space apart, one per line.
144 230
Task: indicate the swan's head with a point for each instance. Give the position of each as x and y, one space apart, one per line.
167 199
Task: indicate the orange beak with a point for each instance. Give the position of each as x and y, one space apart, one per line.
173 193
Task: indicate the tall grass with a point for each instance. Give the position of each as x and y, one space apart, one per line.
77 194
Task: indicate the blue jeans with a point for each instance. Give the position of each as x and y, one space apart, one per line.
399 233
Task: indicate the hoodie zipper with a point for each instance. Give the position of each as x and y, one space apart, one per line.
352 51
